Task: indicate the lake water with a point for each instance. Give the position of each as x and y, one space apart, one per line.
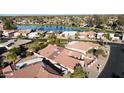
46 28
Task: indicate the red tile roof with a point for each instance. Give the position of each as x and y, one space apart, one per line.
88 33
81 45
60 55
65 59
33 71
9 31
24 31
7 71
51 51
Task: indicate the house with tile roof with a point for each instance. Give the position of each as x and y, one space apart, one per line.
87 34
34 71
63 57
22 32
81 47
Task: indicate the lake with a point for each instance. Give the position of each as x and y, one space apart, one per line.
46 28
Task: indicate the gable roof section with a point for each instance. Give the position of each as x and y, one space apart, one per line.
33 71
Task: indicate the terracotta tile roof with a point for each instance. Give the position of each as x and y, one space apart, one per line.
51 51
81 45
74 54
65 59
24 31
9 31
60 55
7 71
88 33
33 71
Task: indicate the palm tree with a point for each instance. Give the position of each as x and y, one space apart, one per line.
11 57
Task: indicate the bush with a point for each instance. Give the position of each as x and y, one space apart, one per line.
2 64
97 52
78 72
15 50
29 53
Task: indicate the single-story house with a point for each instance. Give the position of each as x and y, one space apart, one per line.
62 57
12 43
100 35
69 34
22 32
33 35
81 47
33 71
9 33
87 34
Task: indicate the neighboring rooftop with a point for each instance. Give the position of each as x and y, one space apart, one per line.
21 42
87 33
33 71
13 43
7 71
24 31
84 46
9 31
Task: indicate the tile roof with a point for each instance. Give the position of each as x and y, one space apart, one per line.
81 45
7 71
24 31
33 71
65 59
60 55
88 33
51 51
9 31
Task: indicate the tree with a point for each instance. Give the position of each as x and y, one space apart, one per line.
8 23
100 52
97 52
41 36
52 39
77 35
11 57
100 20
120 20
107 36
114 25
1 32
29 53
34 47
78 72
15 50
2 64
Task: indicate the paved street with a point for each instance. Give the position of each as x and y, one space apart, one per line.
115 65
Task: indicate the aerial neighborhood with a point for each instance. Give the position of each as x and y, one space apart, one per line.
57 46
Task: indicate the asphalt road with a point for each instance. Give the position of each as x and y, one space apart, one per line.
114 68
